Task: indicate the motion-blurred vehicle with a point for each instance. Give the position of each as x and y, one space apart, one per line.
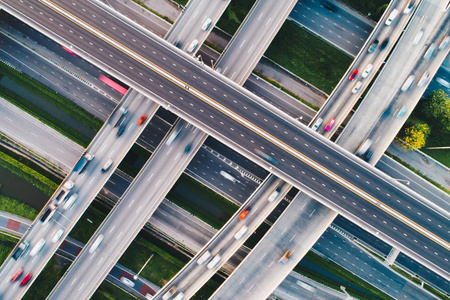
141 120
317 124
402 112
127 281
192 46
57 235
107 165
274 195
96 243
423 79
391 17
356 87
21 250
206 24
244 213
38 247
330 124
265 156
384 44
409 81
17 274
241 232
373 46
367 71
353 75
283 260
25 279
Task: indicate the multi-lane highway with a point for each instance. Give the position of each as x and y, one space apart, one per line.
139 202
288 158
252 39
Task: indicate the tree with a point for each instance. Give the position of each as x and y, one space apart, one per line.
414 137
437 107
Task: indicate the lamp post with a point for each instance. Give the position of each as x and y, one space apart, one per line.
137 274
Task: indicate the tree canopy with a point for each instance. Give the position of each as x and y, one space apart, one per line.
437 107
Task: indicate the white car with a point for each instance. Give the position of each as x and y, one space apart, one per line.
192 46
391 17
356 87
241 232
317 124
38 247
423 79
274 195
367 71
96 243
206 24
127 281
57 235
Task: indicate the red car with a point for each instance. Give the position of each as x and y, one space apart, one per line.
244 213
141 119
17 274
330 124
26 279
353 76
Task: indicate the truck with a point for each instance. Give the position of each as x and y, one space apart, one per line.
48 213
21 250
83 162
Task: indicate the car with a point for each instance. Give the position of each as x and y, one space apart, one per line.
57 235
204 257
330 124
429 52
402 112
121 130
180 296
68 184
367 71
173 136
418 37
187 149
409 81
127 281
206 24
141 119
356 87
192 46
244 213
228 176
283 260
444 42
266 156
317 124
48 213
353 75
107 165
38 247
386 112
391 17
214 261
17 274
409 7
373 46
70 201
423 79
274 195
328 5
368 156
25 279
96 243
443 82
241 232
384 44
23 246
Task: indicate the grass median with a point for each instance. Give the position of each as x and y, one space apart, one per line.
308 56
7 243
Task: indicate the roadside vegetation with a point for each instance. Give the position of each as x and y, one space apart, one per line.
429 126
7 243
234 15
436 292
370 292
372 8
51 97
142 4
406 274
18 208
308 56
41 182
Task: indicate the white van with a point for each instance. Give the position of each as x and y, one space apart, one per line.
367 71
391 17
204 257
317 124
241 232
214 261
70 201
38 247
96 243
192 46
107 165
274 195
206 24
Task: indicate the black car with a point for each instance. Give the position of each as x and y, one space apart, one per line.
328 5
384 44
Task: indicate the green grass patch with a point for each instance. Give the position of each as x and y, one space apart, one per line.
142 4
372 292
16 207
212 46
134 160
88 223
435 292
165 263
32 176
372 8
7 243
289 92
52 97
204 196
308 56
48 278
234 15
181 2
406 275
408 166
109 291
